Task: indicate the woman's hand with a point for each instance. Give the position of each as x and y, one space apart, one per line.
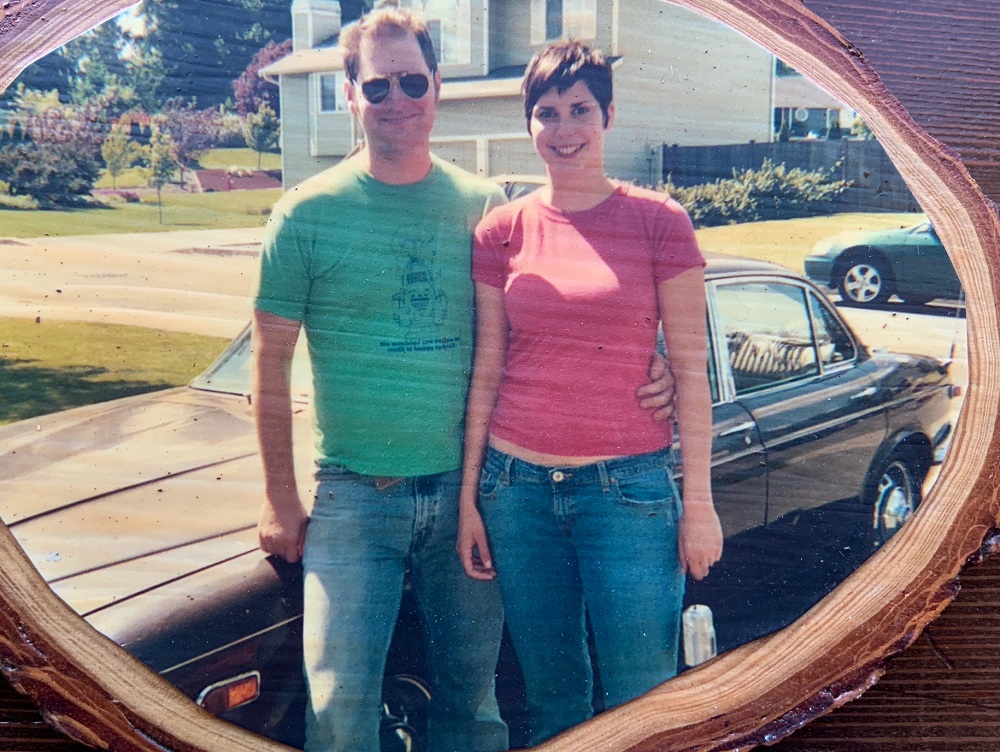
472 547
699 538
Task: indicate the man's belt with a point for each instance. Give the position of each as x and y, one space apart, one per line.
382 482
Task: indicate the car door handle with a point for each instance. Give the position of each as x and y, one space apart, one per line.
748 426
868 392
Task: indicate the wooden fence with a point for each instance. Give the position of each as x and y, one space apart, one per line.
876 184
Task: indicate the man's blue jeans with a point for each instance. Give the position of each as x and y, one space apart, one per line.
601 537
359 543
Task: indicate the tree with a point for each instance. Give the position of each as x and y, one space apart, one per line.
119 151
206 44
161 159
146 73
97 63
48 73
250 90
53 157
262 130
193 132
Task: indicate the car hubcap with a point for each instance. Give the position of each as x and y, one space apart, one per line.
862 283
895 499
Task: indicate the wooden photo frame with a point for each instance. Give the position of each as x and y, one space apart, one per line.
93 691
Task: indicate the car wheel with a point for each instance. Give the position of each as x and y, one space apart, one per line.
865 281
896 495
404 713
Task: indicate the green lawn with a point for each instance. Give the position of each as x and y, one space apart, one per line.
216 159
223 159
181 211
55 365
132 178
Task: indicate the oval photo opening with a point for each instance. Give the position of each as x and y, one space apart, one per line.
131 476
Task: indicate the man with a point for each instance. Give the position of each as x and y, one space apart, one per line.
372 258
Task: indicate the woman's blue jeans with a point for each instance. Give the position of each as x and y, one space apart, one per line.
359 544
601 538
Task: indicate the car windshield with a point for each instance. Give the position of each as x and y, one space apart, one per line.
230 373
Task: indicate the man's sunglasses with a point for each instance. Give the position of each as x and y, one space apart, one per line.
413 85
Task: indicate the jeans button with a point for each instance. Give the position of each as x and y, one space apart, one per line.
558 476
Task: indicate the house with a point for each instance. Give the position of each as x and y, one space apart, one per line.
680 78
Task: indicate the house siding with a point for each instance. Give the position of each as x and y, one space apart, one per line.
297 159
680 78
510 33
683 79
479 116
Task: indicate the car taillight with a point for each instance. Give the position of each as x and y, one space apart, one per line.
230 693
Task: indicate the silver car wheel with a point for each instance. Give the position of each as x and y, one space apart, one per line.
863 283
896 498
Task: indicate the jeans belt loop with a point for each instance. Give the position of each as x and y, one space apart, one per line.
602 471
507 476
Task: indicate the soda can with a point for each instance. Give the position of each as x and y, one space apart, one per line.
699 634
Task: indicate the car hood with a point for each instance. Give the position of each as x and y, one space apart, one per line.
111 500
852 238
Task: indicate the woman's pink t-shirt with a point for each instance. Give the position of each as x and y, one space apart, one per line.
580 297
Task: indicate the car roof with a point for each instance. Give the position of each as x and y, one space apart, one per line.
723 265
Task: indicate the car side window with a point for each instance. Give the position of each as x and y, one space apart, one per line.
833 343
713 376
768 332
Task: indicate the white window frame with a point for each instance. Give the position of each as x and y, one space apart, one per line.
473 18
340 100
585 26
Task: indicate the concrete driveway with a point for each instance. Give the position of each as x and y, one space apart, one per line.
197 281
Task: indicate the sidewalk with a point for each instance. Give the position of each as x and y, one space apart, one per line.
197 281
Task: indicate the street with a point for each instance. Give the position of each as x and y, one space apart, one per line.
188 281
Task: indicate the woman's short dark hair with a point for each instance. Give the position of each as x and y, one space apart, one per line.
559 66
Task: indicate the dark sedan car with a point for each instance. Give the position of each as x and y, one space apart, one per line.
868 268
141 512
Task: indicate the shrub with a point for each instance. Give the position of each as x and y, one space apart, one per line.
18 202
231 131
770 192
52 152
54 174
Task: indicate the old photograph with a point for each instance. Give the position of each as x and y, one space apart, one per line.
434 375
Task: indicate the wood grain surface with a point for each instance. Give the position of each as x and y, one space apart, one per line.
934 62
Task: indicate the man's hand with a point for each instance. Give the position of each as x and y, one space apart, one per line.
472 547
282 528
658 394
699 539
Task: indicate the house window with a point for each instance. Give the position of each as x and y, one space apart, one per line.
807 123
331 92
450 25
784 70
560 19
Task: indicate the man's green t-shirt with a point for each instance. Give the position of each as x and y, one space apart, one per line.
378 275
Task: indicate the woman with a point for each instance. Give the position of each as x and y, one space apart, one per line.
572 479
